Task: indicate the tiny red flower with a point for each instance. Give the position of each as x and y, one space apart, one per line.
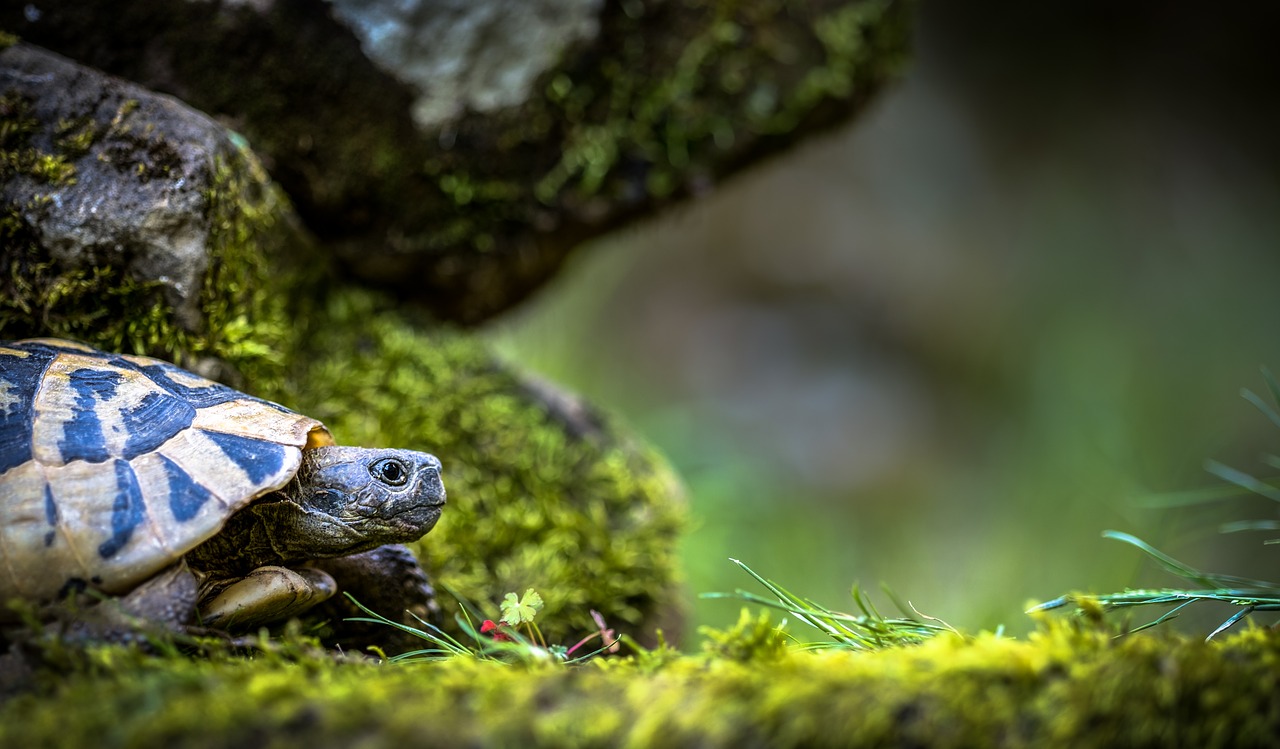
488 627
611 639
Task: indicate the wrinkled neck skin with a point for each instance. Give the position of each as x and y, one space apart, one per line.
336 505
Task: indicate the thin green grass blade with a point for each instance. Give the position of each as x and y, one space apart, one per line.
904 607
1242 613
1261 404
1242 480
446 644
869 630
1189 497
1239 526
1177 568
1272 384
797 605
1186 572
1056 603
1166 616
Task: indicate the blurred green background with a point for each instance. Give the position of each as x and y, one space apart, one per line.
947 347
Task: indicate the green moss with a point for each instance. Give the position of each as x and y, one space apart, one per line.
20 159
730 86
48 168
17 123
589 521
99 305
74 137
753 638
1061 687
253 274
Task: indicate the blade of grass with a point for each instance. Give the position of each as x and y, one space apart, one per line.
868 631
1261 404
1242 480
1242 613
1272 384
1186 572
1238 526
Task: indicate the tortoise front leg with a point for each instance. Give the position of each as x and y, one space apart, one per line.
268 594
387 580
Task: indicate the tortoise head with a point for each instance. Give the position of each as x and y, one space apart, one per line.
345 500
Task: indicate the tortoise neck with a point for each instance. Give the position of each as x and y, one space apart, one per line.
244 543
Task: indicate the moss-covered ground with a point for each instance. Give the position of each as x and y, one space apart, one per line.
1064 686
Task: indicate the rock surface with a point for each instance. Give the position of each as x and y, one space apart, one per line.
125 178
463 55
456 152
133 222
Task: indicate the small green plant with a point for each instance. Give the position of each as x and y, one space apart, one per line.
869 630
1249 594
515 637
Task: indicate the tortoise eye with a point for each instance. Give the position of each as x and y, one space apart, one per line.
390 471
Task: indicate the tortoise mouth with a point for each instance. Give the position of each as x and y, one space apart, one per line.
432 488
421 516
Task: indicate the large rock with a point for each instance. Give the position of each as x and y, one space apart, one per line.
132 220
455 152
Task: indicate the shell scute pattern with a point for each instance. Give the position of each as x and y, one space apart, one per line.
16 415
113 466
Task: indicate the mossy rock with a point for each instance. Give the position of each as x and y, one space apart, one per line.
134 223
1062 687
633 107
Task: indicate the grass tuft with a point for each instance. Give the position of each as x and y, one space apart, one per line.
869 630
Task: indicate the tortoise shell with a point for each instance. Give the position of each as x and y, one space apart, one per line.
113 466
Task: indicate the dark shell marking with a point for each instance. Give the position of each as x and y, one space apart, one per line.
112 466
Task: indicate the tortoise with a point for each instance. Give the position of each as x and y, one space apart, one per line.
188 501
